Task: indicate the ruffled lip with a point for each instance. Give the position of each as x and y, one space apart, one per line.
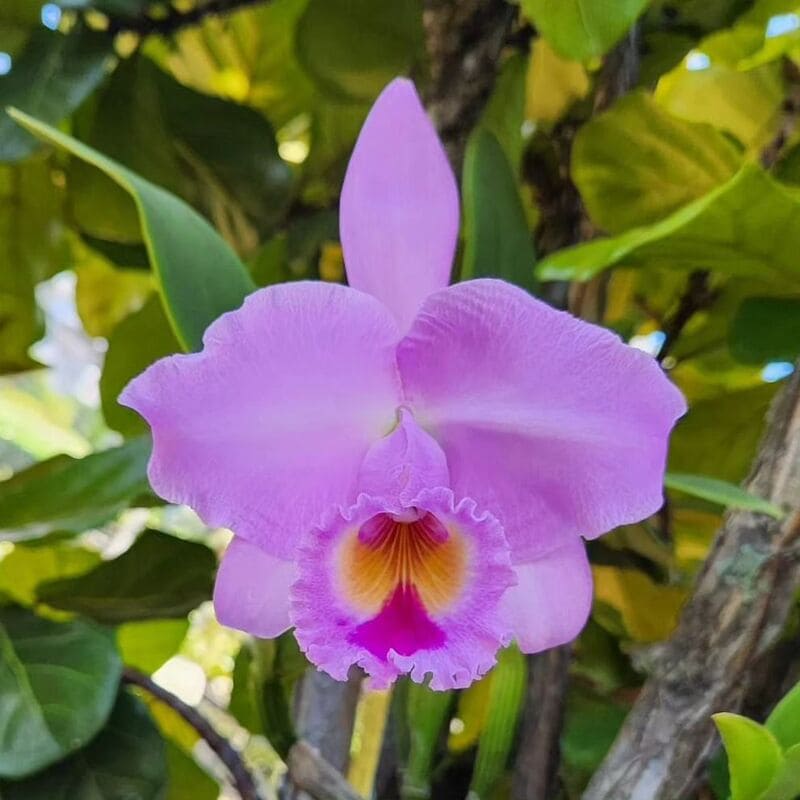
454 646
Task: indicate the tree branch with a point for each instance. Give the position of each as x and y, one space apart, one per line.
464 40
174 20
724 642
243 781
543 715
310 772
696 297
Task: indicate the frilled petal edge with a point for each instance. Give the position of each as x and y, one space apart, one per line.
266 428
552 424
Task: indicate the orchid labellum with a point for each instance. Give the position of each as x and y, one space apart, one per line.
409 468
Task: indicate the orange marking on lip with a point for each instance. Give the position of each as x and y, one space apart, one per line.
422 554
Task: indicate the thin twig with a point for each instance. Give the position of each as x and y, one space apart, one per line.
175 20
243 781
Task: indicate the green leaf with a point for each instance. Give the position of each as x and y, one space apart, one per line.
58 682
186 780
720 492
504 113
719 435
591 723
506 696
32 246
785 785
135 343
746 227
708 86
264 676
199 275
784 721
766 329
50 79
497 240
106 294
636 163
220 156
580 29
126 761
26 566
159 577
353 48
147 645
427 713
38 424
229 148
73 494
754 755
554 83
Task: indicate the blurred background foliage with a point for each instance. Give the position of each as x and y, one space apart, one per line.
636 162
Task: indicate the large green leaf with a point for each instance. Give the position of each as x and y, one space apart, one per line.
135 343
126 761
26 566
754 755
708 86
749 226
219 156
50 79
58 682
721 492
230 149
636 163
498 242
719 435
186 780
786 783
581 29
73 494
147 645
784 720
504 113
263 679
32 248
506 695
353 48
161 576
199 275
766 329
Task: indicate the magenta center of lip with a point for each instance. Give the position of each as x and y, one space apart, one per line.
402 625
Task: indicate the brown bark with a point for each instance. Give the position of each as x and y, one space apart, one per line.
543 715
309 771
464 39
724 644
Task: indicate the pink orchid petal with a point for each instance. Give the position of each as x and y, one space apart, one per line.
399 205
266 429
252 590
454 645
399 466
552 599
548 422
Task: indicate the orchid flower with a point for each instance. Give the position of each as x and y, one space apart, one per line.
409 469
